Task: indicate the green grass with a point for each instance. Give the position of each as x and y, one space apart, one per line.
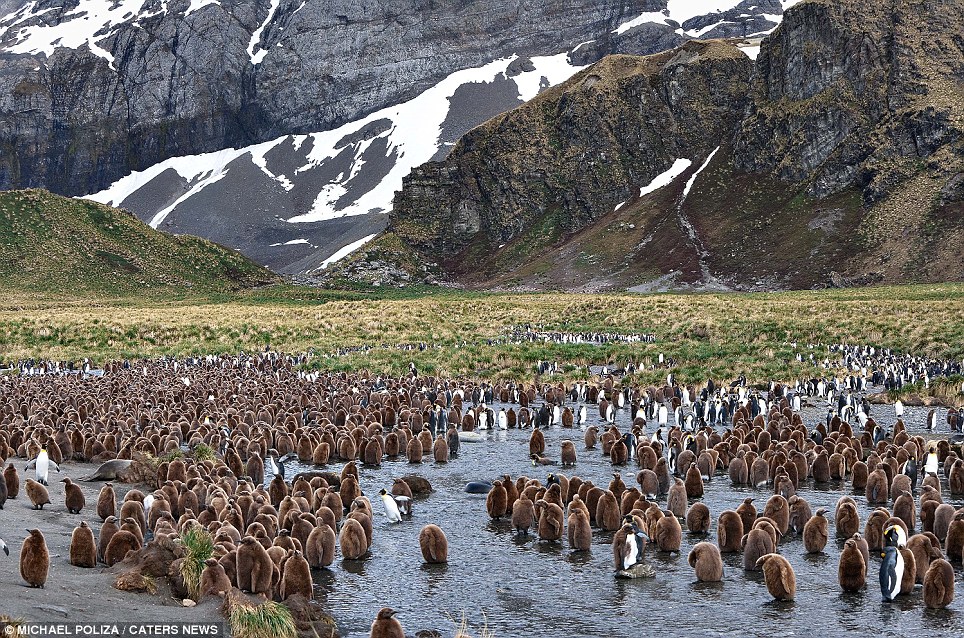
268 620
52 244
709 335
200 547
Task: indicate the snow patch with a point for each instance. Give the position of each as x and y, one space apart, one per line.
347 250
683 10
294 242
751 51
666 177
197 5
651 16
256 57
692 179
90 22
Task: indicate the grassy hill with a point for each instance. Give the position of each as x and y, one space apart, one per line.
53 244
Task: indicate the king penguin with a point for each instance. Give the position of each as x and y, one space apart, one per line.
42 464
891 572
391 507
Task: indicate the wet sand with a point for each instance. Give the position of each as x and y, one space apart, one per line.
78 594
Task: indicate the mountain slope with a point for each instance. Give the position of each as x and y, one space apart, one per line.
839 162
283 127
57 245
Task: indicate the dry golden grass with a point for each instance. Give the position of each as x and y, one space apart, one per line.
716 335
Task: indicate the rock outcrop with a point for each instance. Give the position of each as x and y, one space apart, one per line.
577 151
180 77
840 160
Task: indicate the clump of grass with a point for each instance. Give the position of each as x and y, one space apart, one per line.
463 630
170 456
203 452
11 627
268 620
200 547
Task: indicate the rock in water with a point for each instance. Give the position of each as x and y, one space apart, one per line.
639 570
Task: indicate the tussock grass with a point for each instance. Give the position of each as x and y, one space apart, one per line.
267 620
463 628
11 627
708 335
200 547
203 452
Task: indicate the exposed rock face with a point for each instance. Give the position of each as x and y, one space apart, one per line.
858 94
180 78
847 165
575 152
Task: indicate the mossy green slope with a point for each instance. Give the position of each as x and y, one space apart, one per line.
52 244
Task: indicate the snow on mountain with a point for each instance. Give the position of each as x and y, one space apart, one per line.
299 202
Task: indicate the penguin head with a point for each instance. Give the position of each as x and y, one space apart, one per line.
383 492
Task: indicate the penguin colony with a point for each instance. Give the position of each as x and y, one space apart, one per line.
271 530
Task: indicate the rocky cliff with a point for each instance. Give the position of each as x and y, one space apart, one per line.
839 158
90 93
576 151
282 127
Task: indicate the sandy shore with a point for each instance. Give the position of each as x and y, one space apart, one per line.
77 594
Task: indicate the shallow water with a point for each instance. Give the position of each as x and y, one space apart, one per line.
524 587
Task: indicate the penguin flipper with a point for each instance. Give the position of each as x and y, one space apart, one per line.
6 550
54 466
32 464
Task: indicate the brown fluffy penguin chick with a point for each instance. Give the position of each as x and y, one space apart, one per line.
608 516
107 530
852 570
120 544
909 577
778 509
568 453
255 568
352 540
214 580
523 515
920 546
106 502
846 518
386 625
497 501
729 532
37 493
296 578
876 489
12 480
747 512
73 496
320 550
434 544
676 502
34 559
668 534
815 532
756 543
694 482
83 549
698 519
580 532
799 513
705 559
954 541
939 584
779 577
551 521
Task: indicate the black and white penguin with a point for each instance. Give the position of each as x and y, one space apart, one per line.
635 545
274 466
42 464
891 572
3 546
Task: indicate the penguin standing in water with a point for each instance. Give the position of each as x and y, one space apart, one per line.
391 507
931 462
891 572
